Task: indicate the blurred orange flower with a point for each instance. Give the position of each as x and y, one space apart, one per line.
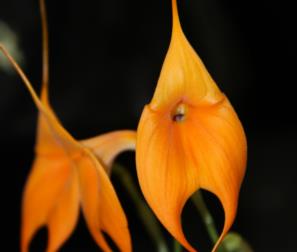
66 174
189 137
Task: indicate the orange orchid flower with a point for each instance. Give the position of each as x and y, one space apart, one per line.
66 173
189 137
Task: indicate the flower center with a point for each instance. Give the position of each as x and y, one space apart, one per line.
179 113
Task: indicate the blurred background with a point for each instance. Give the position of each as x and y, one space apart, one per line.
105 58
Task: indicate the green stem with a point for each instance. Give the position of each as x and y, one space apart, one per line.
176 246
145 214
207 219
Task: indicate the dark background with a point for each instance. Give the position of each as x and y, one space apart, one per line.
105 60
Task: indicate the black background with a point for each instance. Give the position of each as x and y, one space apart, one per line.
105 60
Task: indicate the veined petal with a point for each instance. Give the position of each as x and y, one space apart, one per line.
44 185
107 146
188 137
101 206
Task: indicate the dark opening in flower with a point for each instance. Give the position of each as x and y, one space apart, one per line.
179 113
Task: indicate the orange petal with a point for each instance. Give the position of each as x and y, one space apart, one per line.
45 183
64 215
107 146
100 205
189 137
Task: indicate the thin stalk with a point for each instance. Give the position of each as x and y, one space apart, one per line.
145 214
207 218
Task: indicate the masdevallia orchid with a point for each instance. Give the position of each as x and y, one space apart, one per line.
189 137
67 174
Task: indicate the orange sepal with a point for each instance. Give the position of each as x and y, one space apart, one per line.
107 146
